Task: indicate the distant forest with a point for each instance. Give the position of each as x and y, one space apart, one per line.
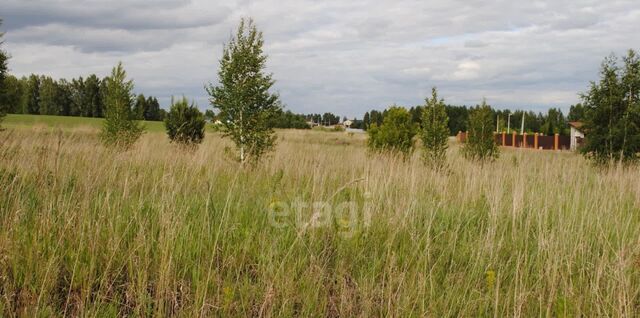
84 97
554 121
43 95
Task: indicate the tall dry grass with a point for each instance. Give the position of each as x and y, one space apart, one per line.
155 231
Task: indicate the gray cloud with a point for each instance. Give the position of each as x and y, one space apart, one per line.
340 56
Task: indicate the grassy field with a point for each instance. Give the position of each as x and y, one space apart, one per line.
19 121
320 229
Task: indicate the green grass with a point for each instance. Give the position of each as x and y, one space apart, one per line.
156 231
66 122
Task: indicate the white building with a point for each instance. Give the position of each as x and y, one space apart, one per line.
577 135
347 123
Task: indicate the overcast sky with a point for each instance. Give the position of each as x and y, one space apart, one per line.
340 56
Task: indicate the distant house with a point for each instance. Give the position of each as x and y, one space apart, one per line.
347 123
577 134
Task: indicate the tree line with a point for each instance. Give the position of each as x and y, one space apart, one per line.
552 122
84 97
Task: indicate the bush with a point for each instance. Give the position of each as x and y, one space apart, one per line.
184 123
481 144
395 134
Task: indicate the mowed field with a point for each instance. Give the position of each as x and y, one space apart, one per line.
321 228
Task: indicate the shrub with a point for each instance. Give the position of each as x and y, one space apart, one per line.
395 134
184 123
480 143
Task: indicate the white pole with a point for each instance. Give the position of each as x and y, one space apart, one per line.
522 126
509 123
497 123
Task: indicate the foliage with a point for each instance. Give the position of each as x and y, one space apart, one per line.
576 112
434 133
480 144
13 91
287 119
554 123
152 110
395 134
184 123
84 97
120 129
139 107
242 97
31 103
210 116
459 118
612 112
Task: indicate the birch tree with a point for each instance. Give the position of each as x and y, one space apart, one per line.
243 96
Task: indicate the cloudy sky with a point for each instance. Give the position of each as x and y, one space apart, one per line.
340 56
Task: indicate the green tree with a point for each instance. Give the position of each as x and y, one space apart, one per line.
554 123
395 134
32 95
48 96
458 119
287 119
78 98
13 92
140 107
612 112
92 97
64 97
184 123
366 121
576 112
152 110
480 144
120 129
435 132
242 97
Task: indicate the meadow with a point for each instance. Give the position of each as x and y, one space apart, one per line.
320 228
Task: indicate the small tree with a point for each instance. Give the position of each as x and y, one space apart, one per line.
184 123
395 134
480 143
435 131
242 97
612 112
120 129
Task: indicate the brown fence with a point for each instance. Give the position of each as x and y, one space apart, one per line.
533 141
